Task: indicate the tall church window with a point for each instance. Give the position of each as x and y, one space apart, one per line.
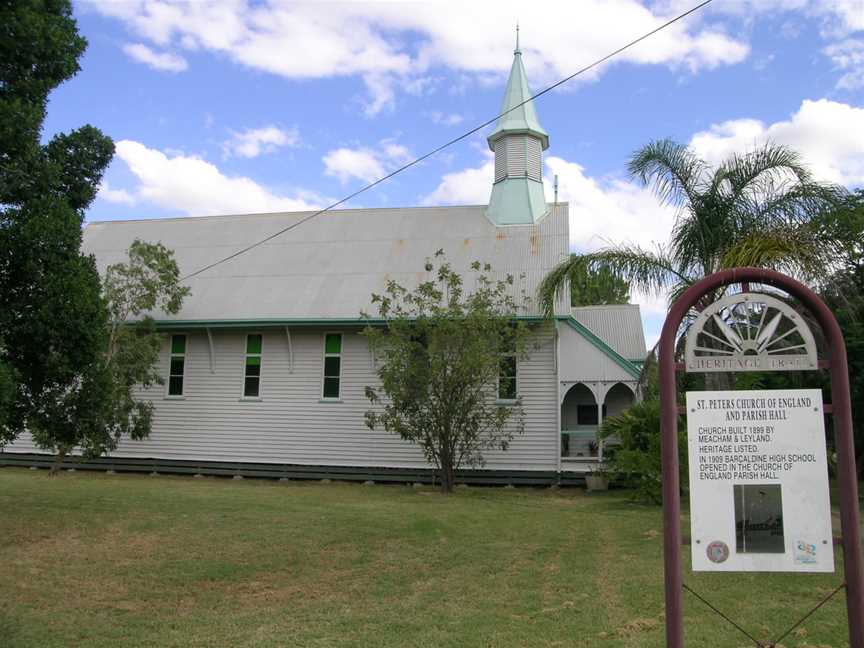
177 365
332 365
252 373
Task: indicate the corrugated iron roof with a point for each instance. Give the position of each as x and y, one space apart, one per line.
329 267
618 325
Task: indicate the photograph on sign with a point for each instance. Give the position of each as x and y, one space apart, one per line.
758 518
759 496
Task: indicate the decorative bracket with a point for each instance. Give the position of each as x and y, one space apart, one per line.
290 350
212 350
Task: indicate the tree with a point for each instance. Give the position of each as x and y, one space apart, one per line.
597 287
8 383
109 410
148 281
844 295
756 209
443 356
52 316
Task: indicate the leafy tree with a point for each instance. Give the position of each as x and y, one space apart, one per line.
8 385
148 281
596 287
756 209
440 354
844 294
52 316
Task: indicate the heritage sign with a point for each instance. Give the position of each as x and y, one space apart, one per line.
758 473
749 332
758 481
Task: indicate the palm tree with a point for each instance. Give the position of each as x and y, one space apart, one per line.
756 209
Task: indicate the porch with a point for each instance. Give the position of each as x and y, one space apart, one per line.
584 407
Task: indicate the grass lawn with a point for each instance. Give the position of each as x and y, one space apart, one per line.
93 559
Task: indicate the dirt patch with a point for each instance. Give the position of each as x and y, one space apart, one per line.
637 626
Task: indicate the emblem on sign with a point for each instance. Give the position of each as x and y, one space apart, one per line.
750 332
718 551
805 553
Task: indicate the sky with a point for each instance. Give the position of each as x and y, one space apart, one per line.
240 106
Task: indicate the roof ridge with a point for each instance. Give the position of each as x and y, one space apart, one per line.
603 307
285 213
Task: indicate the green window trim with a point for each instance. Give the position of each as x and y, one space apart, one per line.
176 365
252 365
331 381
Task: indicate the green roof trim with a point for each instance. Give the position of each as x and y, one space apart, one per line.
616 357
256 323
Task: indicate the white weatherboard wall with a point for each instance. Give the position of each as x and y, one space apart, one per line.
289 425
581 361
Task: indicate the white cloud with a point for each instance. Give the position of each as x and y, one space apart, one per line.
467 187
165 61
366 164
255 141
848 56
845 16
198 188
445 119
836 20
608 211
345 163
119 196
392 45
395 153
829 136
605 212
835 16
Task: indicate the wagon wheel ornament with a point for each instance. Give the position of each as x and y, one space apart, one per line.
750 332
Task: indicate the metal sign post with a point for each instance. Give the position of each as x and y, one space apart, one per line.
730 351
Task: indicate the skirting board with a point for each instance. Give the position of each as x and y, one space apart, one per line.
295 471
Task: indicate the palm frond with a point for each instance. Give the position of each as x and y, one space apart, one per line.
696 238
798 251
650 272
674 171
766 169
802 204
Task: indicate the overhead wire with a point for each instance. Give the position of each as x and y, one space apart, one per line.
447 144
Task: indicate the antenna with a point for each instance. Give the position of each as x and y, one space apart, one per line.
556 189
516 51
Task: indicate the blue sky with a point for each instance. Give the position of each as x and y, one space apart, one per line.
234 106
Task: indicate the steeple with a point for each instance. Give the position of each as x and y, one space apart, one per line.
518 142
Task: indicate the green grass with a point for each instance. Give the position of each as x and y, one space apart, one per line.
118 560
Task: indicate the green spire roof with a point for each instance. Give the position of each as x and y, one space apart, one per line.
522 119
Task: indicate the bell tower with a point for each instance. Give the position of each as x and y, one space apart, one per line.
518 142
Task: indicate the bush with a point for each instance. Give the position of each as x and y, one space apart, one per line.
8 388
634 452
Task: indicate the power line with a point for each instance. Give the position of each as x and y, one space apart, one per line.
449 143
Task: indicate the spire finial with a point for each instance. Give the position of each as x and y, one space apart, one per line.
517 50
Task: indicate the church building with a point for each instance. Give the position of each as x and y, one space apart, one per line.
265 368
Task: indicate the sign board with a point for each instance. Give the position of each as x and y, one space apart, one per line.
759 481
749 332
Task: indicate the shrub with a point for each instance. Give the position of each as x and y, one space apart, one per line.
634 452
